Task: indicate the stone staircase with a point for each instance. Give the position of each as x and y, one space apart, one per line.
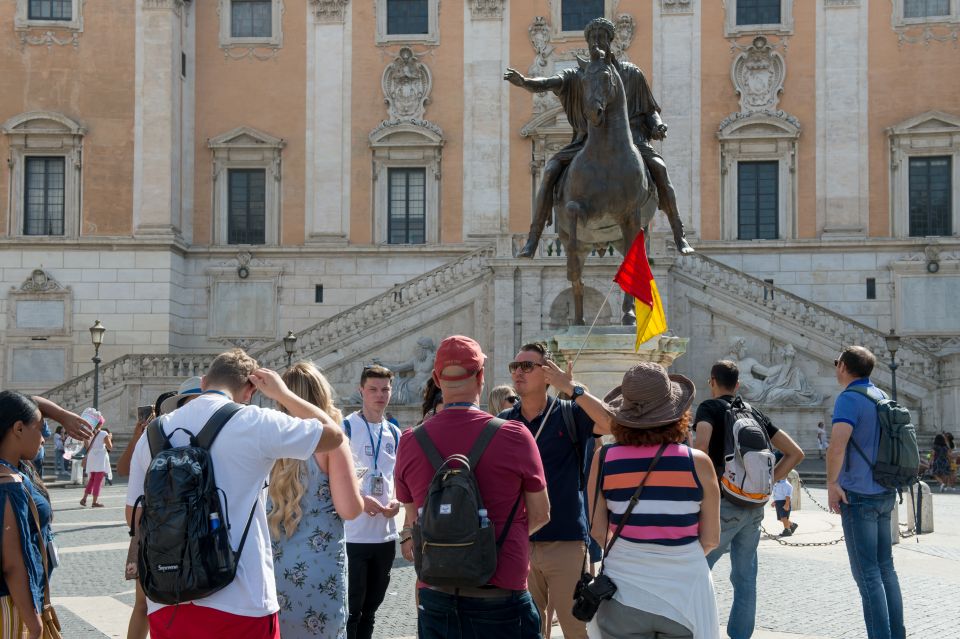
322 340
824 330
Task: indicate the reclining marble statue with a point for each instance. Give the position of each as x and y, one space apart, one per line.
644 125
775 385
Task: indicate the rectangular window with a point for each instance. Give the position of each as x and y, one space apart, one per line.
50 10
758 12
925 8
576 14
407 17
757 200
44 196
251 19
246 215
871 288
407 220
930 196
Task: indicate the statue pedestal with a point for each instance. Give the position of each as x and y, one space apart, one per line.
608 353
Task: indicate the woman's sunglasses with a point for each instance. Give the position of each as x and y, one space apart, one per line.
526 367
513 399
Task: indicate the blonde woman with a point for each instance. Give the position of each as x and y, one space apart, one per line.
309 500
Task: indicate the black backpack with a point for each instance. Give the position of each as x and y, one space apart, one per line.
184 551
452 544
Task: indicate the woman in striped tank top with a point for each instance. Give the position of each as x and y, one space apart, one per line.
658 563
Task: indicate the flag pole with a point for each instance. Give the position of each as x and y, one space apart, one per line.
575 358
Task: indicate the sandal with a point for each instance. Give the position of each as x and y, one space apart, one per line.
83 502
96 505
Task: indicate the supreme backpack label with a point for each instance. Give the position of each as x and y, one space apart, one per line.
747 477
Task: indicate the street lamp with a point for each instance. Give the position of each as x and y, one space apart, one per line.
290 345
893 345
96 336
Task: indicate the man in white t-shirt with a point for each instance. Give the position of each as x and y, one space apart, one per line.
371 537
242 455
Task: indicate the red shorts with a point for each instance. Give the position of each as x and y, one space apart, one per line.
200 622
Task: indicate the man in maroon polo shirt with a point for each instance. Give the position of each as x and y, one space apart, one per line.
510 467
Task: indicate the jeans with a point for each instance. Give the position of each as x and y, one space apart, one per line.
368 573
740 534
866 529
443 616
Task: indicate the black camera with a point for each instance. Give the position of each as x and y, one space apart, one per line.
590 593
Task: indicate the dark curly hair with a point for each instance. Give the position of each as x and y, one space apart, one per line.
675 433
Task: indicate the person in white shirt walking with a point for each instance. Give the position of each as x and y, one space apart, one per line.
782 498
243 455
371 537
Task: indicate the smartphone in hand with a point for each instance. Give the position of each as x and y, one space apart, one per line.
144 412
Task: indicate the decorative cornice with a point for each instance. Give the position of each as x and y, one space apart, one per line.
487 9
834 4
175 5
48 39
329 11
676 7
740 115
398 122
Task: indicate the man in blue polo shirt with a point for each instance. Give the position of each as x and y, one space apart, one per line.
557 549
863 504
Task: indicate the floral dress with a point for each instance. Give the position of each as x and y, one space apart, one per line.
311 566
941 461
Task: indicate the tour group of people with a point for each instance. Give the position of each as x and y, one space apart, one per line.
625 485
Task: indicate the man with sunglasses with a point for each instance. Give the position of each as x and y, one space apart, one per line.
864 505
557 550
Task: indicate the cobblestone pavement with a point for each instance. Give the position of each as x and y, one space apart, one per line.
803 591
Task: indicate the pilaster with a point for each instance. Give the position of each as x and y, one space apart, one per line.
485 121
161 28
842 137
329 122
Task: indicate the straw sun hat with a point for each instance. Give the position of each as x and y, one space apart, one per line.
649 398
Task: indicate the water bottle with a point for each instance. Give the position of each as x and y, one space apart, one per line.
484 522
214 521
220 540
92 416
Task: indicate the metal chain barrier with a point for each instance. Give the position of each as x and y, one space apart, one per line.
803 485
782 542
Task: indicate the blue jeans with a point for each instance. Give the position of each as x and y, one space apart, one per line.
740 534
866 529
443 616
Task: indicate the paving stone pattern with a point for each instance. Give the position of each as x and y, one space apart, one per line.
802 590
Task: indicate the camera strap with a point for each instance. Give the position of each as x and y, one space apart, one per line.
630 507
596 499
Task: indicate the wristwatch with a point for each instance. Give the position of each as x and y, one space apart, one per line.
578 391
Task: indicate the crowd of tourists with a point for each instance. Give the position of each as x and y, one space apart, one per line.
606 514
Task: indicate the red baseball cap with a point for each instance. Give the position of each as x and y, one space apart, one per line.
460 351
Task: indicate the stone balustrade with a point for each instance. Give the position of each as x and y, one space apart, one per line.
913 359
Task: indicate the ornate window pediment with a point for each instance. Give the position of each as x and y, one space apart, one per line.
51 28
245 148
928 135
37 135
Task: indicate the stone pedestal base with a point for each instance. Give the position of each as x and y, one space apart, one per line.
608 353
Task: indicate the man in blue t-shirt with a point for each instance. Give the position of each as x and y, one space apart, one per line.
557 549
863 504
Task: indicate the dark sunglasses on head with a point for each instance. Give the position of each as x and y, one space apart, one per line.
836 362
513 399
526 367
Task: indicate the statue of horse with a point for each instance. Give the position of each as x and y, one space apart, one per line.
606 194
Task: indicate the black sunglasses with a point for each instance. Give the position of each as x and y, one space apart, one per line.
526 367
513 399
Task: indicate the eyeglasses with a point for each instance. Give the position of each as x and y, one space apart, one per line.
526 367
836 362
513 399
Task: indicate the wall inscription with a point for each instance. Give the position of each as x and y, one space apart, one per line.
40 314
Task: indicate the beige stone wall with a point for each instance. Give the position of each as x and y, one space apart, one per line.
91 82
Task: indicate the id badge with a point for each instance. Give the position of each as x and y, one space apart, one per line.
376 485
53 556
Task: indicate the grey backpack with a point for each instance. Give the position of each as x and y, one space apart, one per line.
454 545
898 457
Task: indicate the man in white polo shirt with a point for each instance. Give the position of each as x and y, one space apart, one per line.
243 454
371 537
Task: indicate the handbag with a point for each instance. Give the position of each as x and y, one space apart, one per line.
48 616
591 591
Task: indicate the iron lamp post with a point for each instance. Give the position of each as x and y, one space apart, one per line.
290 345
893 345
96 336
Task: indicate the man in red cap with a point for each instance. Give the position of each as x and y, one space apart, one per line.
509 469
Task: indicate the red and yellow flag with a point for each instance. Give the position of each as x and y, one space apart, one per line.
635 278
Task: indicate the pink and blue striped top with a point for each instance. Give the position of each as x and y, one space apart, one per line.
668 512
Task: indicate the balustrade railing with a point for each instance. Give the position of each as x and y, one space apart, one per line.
913 359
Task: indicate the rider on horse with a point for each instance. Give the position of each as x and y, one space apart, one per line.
645 125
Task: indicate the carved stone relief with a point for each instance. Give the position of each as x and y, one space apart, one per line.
758 74
625 27
49 39
776 385
329 11
486 9
676 6
40 282
406 86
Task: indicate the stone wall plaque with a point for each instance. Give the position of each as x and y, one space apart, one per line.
928 304
31 366
244 309
40 314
